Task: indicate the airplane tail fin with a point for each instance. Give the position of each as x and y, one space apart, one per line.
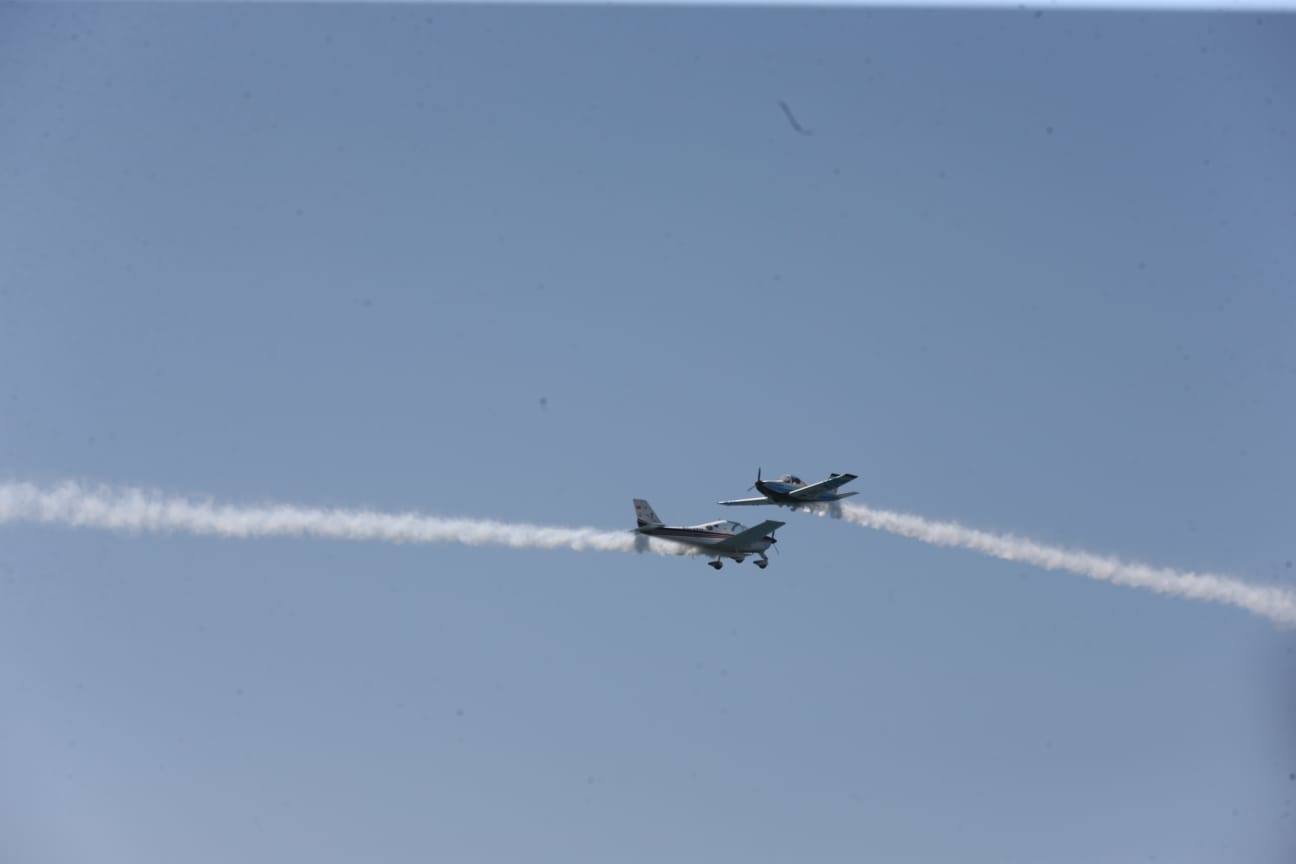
644 514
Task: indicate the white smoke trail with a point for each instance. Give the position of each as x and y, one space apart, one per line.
1269 601
135 510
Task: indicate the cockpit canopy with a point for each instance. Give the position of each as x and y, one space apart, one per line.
724 525
791 479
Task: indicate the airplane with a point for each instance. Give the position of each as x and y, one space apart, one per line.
722 539
791 491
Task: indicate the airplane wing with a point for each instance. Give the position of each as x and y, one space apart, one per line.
738 541
760 500
828 485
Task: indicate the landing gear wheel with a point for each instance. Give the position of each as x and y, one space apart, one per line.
762 564
715 564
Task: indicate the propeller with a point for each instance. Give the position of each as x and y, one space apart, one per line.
753 486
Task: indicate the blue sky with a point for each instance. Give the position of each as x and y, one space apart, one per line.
1032 273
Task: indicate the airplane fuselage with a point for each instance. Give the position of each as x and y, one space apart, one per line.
777 492
711 534
781 494
719 539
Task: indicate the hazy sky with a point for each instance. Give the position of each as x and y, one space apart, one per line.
1033 272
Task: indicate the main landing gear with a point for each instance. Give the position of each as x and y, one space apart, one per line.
761 562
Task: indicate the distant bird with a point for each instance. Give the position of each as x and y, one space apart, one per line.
792 121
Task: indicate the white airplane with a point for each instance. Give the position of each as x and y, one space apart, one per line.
791 491
718 540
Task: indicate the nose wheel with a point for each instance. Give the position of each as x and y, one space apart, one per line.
715 565
762 563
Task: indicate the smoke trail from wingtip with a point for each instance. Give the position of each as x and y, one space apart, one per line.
136 510
1269 601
